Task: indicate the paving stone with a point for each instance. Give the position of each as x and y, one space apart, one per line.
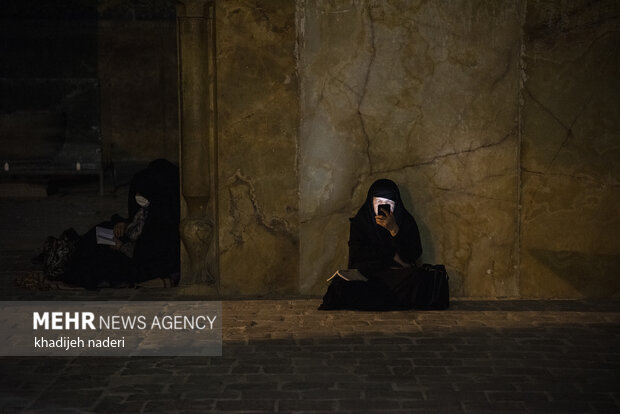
604 407
428 370
306 405
156 396
269 395
329 369
82 399
374 394
375 386
245 405
159 406
470 369
451 395
241 369
278 369
514 356
369 405
581 396
330 394
485 386
243 386
437 362
494 407
308 386
517 396
206 394
561 407
437 406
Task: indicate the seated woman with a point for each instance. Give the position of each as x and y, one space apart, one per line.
384 245
147 242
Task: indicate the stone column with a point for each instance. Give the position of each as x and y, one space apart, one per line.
198 145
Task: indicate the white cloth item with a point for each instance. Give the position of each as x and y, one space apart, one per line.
142 202
377 201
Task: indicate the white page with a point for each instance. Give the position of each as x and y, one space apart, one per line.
105 236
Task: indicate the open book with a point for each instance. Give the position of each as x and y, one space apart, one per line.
349 275
105 236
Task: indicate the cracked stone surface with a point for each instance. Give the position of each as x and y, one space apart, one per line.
258 116
571 151
498 120
425 94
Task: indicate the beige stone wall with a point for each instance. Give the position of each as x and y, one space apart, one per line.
258 113
474 108
425 94
498 119
571 150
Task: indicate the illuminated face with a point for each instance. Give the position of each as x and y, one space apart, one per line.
142 202
377 201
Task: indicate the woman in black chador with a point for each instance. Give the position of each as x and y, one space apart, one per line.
146 243
384 245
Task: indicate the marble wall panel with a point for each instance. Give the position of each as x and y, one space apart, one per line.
258 114
425 93
499 121
571 150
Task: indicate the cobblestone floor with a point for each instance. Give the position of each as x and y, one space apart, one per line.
285 356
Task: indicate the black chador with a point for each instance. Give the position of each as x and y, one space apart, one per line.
149 246
385 250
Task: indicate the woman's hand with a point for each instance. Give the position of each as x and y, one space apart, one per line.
119 229
388 222
400 261
117 244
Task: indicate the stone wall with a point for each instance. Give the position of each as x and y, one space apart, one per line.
426 95
499 121
258 113
570 159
